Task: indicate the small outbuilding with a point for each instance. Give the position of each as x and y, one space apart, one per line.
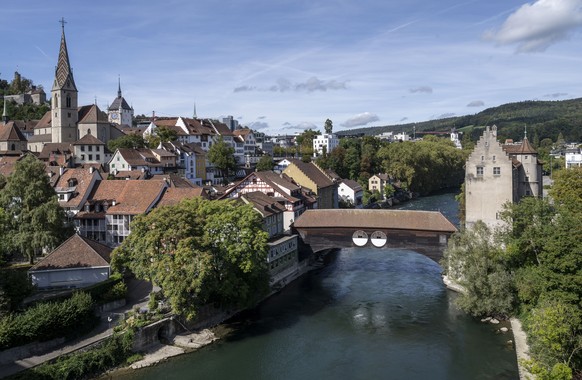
77 263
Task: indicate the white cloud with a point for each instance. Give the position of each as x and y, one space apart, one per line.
301 126
258 125
476 103
360 119
422 89
535 27
310 85
556 95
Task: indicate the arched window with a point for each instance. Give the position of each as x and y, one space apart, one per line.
56 100
13 147
68 101
89 131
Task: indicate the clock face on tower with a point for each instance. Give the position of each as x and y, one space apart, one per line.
114 116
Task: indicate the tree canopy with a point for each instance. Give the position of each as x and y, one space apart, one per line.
127 141
36 221
221 154
265 163
539 265
199 252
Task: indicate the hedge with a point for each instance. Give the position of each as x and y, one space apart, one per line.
46 321
113 352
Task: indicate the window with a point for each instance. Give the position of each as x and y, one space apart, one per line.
525 157
90 157
482 158
97 156
82 157
480 170
497 170
493 158
90 148
82 148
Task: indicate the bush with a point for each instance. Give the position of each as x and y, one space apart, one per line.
113 352
46 321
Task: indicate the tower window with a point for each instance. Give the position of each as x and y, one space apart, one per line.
480 171
497 170
68 102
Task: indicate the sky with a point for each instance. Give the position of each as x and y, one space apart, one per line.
282 66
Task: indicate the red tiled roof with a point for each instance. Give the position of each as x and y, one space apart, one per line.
263 203
524 148
10 132
75 252
88 139
81 178
132 197
312 172
175 195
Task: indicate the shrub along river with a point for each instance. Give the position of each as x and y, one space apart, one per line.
369 314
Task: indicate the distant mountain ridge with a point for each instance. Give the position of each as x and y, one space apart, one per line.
544 119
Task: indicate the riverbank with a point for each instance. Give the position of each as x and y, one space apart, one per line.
519 336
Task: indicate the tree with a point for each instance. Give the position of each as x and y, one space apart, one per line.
567 188
128 141
221 155
37 222
161 134
265 163
328 126
474 260
199 252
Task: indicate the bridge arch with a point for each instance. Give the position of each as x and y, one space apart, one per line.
425 232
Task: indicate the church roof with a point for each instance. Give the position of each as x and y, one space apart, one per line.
119 103
64 75
91 114
45 121
10 132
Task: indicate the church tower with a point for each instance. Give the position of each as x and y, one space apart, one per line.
119 112
64 98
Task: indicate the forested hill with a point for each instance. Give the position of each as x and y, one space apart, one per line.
544 119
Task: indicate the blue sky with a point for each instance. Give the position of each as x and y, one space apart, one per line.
282 66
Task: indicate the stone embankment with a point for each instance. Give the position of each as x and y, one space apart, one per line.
180 344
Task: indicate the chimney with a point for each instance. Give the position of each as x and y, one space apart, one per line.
91 169
61 170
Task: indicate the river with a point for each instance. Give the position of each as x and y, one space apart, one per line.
369 314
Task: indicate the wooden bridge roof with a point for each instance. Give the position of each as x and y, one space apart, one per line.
375 219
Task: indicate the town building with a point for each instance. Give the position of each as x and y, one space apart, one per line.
112 205
378 182
78 262
283 256
496 174
324 143
350 193
278 186
573 158
311 176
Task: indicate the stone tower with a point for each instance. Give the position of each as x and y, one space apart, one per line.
64 98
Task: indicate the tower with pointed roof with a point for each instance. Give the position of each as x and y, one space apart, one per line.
64 98
119 112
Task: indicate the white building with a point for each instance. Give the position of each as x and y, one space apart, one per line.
573 159
351 191
325 141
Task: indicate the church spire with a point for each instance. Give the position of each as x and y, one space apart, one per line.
525 133
64 74
119 86
194 114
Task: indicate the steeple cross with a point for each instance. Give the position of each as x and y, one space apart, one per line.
63 22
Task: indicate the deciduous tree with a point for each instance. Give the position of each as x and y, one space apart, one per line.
199 252
37 222
221 155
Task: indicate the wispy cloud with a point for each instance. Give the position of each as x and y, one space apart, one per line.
476 103
556 95
301 126
535 27
258 125
310 85
421 89
360 119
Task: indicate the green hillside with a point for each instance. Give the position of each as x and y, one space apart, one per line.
544 119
